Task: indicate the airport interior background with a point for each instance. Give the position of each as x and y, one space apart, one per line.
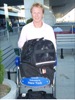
60 14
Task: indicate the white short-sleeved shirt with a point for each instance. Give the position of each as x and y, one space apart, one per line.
30 32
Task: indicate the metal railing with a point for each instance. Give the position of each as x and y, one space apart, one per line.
67 28
4 33
16 30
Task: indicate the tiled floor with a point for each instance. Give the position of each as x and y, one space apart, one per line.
65 78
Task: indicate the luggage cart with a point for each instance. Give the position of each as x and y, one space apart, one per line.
41 58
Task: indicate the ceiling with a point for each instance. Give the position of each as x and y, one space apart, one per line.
11 2
59 7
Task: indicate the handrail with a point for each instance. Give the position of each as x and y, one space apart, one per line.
4 35
67 28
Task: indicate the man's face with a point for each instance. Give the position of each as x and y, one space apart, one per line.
37 14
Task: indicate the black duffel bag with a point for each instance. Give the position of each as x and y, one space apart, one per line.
35 94
38 50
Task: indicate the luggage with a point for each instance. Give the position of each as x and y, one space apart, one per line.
36 55
38 50
36 95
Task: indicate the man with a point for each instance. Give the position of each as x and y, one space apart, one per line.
58 29
37 29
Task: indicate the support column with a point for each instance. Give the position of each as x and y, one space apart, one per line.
49 17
